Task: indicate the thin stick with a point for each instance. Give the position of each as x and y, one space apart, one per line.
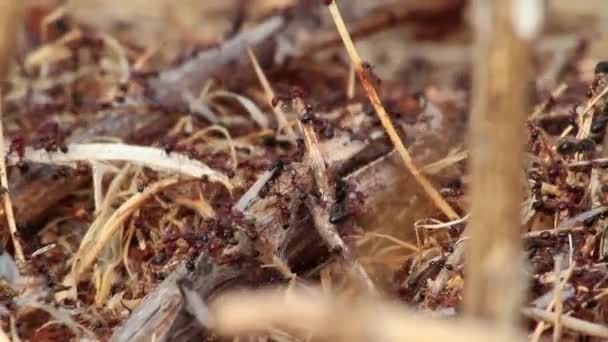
543 106
495 285
6 198
9 19
540 327
587 115
270 95
559 305
363 75
568 322
335 320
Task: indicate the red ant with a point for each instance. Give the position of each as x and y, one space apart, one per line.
17 146
50 137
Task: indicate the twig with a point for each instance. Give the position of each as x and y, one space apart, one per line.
540 327
494 286
568 322
6 199
319 208
440 225
449 160
587 119
10 11
543 106
594 162
334 320
364 77
557 299
172 85
248 197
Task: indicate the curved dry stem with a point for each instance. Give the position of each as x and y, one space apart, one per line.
270 95
94 242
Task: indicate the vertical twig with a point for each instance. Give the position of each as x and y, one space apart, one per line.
494 287
9 21
364 77
319 208
557 299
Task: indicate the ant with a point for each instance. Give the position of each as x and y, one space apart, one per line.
51 137
369 70
17 145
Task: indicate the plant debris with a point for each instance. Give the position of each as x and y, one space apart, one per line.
158 171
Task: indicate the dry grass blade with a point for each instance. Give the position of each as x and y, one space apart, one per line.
10 11
451 159
141 155
364 77
339 320
270 95
95 241
559 305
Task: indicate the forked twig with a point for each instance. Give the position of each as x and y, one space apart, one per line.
364 77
